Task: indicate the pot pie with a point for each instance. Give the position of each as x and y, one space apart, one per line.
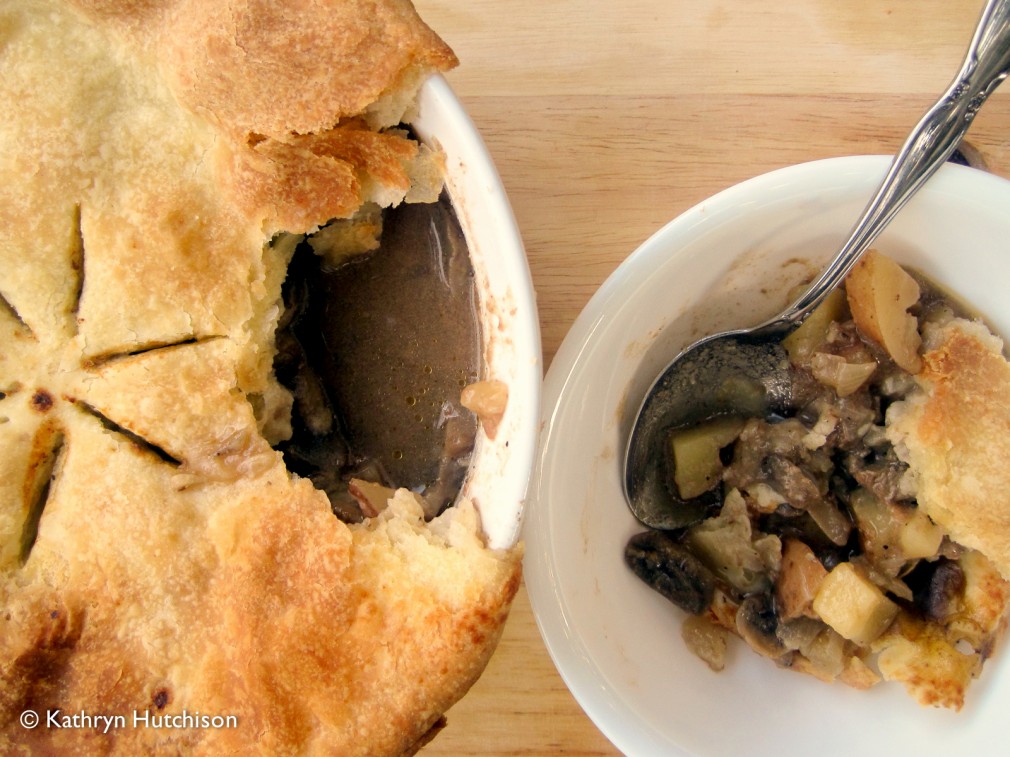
160 161
862 535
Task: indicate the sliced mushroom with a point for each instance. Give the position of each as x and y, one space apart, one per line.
668 567
757 623
942 585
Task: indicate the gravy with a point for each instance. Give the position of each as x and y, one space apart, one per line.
376 352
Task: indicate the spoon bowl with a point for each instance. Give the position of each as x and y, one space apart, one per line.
730 373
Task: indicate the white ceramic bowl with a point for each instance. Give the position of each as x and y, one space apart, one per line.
501 467
730 261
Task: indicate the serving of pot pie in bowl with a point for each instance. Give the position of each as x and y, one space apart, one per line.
896 464
166 563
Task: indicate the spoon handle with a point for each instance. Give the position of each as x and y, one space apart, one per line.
929 145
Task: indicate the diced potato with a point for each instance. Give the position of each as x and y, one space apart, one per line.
890 531
880 293
696 463
799 579
920 536
852 605
813 332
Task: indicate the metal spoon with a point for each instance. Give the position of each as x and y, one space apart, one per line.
710 376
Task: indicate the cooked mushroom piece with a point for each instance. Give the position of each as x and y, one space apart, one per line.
937 588
668 567
757 622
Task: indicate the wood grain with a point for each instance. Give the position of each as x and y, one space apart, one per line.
606 120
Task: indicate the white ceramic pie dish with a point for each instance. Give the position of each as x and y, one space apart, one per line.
501 467
729 261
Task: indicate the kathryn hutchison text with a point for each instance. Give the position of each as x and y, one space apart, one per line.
137 719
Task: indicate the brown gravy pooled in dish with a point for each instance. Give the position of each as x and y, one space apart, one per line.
376 351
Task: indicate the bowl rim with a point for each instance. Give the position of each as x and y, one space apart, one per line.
502 466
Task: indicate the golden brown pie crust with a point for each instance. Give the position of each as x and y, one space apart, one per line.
150 153
953 433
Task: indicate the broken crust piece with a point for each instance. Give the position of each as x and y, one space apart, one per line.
954 432
951 431
155 554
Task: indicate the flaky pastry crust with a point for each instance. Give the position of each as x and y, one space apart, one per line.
155 554
952 433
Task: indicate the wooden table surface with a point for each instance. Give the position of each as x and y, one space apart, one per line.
606 120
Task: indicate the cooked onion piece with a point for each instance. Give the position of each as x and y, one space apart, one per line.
838 373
